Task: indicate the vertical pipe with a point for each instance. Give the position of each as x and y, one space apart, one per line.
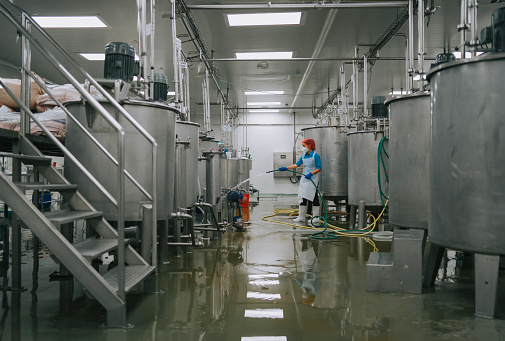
151 41
365 85
420 30
463 26
186 95
361 215
25 78
407 64
411 45
143 50
473 27
175 43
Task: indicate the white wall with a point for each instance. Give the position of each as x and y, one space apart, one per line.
266 133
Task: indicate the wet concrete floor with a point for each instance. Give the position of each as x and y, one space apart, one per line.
271 282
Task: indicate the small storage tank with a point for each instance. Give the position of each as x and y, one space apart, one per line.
409 151
186 164
363 167
159 121
205 144
238 170
214 163
332 146
467 178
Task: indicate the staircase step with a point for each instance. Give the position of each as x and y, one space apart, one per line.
27 186
65 216
28 159
92 248
134 274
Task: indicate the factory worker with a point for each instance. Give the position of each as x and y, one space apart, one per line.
307 191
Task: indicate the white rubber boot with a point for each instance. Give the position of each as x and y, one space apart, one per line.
302 210
316 210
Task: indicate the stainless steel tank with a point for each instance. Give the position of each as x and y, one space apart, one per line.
467 163
332 146
409 152
159 120
205 144
237 170
214 161
363 180
186 164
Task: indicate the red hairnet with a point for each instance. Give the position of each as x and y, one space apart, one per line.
310 143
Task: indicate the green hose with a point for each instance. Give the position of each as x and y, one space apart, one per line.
380 160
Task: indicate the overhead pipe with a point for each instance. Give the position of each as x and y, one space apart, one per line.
317 49
269 5
344 59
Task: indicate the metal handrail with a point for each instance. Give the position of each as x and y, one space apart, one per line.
98 107
91 137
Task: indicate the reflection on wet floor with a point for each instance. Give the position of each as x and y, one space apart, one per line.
271 282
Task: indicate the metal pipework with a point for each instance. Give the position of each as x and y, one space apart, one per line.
189 220
463 26
175 43
365 85
317 5
411 46
421 53
214 218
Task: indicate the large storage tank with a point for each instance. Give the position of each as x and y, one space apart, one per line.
363 168
467 160
215 160
186 164
409 152
159 121
332 146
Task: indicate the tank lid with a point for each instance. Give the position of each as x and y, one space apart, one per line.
410 96
319 127
159 105
365 132
188 123
481 58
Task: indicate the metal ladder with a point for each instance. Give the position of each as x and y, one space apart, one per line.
75 257
111 288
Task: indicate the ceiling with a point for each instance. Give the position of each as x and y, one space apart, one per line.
349 27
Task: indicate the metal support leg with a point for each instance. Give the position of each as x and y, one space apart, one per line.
352 218
67 230
486 284
433 264
146 242
361 251
361 215
16 229
163 237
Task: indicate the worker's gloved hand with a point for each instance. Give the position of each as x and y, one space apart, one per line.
282 169
308 176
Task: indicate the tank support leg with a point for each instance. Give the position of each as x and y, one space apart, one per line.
433 264
486 284
352 217
361 215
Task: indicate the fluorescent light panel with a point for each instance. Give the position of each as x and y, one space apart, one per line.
263 103
70 22
171 93
263 296
98 56
263 19
263 110
264 55
270 92
264 313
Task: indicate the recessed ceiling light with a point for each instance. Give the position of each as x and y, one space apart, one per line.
263 19
263 110
264 313
270 92
70 22
263 103
98 56
457 54
264 55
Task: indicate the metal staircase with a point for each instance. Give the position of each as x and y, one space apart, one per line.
75 257
109 289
